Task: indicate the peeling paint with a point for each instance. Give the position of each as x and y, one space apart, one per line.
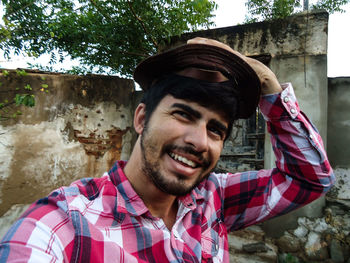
77 130
99 129
6 151
41 160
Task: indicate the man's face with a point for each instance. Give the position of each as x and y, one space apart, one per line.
181 144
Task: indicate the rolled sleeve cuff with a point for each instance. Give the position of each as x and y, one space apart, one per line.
281 105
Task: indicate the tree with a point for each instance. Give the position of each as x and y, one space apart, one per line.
112 35
266 9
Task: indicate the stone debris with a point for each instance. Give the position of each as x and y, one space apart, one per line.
301 231
255 247
252 246
325 239
288 243
336 251
315 248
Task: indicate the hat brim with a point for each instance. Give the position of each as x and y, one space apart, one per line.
207 57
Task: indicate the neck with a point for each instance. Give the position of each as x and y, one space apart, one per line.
159 204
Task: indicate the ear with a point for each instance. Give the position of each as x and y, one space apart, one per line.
139 118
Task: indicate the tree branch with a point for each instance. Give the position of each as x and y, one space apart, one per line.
22 8
101 11
133 54
7 104
142 24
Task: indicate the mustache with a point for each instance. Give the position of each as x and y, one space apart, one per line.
189 150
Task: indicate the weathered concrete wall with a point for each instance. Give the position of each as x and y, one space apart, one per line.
76 130
339 134
339 121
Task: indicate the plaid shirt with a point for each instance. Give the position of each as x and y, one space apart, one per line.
104 220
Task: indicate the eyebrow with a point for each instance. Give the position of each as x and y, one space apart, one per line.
198 115
187 108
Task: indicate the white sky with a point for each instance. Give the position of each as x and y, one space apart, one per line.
232 12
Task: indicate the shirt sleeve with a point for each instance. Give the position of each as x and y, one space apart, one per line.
302 172
33 237
56 229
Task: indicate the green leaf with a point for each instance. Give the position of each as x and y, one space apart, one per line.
5 73
21 72
45 86
27 87
31 101
266 10
19 99
25 99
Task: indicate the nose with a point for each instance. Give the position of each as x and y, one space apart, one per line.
197 136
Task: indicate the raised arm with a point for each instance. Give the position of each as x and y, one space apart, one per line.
302 172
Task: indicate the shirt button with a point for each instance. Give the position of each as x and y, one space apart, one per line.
311 137
292 110
286 99
216 247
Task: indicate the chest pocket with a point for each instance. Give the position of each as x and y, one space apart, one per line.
213 242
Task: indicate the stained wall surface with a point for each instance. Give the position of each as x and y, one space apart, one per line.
78 129
339 134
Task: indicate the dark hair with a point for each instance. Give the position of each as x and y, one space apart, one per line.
220 97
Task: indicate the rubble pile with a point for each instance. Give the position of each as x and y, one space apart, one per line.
325 239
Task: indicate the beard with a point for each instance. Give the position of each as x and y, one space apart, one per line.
177 186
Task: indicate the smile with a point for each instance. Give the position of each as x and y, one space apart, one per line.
182 160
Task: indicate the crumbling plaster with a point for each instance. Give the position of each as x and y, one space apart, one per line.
78 129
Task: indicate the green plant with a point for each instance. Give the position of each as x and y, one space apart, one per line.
14 98
289 258
259 10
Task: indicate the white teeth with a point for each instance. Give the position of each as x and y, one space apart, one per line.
182 159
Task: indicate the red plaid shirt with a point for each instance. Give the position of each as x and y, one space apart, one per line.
104 220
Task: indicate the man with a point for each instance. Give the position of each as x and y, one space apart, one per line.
164 204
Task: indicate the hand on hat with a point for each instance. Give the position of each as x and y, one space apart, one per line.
269 82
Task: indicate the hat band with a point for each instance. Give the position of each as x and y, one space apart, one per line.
203 74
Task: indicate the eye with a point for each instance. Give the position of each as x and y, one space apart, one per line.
182 114
216 132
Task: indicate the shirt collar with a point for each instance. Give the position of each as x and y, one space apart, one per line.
128 201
